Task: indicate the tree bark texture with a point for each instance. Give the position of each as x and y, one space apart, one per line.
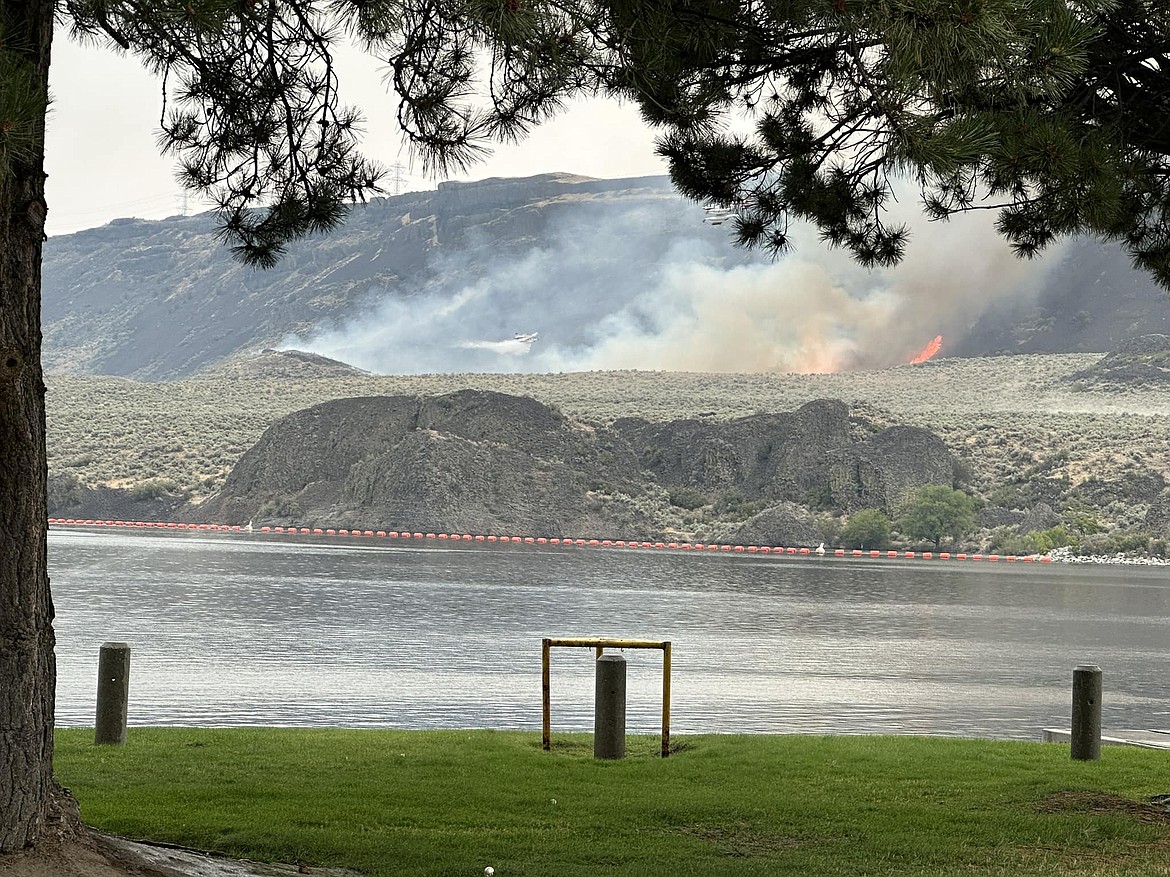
27 664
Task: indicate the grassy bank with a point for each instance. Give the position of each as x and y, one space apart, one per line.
452 803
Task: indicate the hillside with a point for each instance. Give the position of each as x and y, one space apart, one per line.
164 299
1091 300
1025 436
609 273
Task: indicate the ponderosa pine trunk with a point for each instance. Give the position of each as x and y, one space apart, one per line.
27 665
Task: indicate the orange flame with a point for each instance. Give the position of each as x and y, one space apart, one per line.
929 350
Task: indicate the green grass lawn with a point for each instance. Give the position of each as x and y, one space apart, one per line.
453 802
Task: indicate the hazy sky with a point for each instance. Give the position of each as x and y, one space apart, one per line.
103 162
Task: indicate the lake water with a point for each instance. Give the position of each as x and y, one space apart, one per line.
238 629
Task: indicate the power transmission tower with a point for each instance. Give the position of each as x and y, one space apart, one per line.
398 179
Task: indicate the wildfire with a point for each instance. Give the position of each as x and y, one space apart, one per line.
929 350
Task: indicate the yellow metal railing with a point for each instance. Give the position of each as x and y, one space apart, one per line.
599 645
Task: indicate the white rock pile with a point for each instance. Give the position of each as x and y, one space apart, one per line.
1066 555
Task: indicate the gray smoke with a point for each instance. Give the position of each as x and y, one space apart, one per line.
608 289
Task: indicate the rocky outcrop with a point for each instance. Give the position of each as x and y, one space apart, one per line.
992 516
71 500
1140 361
1040 517
784 524
474 460
477 461
1158 516
893 464
815 456
1131 487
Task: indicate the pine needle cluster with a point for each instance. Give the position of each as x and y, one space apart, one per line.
1054 113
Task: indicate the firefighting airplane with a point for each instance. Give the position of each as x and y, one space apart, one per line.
717 215
525 337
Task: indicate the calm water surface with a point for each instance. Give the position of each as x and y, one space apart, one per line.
260 630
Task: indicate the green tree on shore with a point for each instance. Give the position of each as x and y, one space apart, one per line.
1050 111
937 511
868 528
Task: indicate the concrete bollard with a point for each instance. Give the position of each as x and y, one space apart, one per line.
609 708
1086 713
112 693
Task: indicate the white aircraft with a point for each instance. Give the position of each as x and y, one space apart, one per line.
717 215
526 337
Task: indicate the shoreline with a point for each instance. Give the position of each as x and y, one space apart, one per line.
1065 555
1056 555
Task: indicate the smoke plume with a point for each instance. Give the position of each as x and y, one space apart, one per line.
655 288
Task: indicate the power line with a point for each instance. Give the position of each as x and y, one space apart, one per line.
64 220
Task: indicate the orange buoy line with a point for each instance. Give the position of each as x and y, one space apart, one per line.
694 547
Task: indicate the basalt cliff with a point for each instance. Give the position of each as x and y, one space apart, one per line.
486 462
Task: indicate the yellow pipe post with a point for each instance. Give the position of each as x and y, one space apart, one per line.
599 644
